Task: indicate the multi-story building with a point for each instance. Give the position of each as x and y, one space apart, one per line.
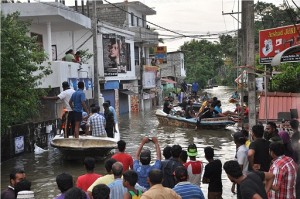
59 28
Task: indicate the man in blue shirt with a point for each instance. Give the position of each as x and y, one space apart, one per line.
145 157
77 103
195 87
185 188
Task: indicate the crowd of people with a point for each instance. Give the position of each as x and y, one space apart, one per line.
210 108
266 167
78 117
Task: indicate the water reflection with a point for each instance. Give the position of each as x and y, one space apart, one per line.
42 169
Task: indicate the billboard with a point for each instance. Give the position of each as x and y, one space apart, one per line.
160 54
276 40
115 54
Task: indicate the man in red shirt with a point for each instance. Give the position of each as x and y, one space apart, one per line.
123 157
86 180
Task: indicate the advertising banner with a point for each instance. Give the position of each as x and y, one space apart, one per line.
276 40
115 54
160 54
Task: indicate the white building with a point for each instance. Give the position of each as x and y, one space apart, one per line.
59 28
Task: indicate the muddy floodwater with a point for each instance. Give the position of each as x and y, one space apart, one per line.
42 169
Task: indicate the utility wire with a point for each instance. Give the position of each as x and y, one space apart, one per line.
145 20
295 4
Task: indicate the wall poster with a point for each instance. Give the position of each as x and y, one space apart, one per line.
115 54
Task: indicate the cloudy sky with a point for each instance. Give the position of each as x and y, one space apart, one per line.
198 17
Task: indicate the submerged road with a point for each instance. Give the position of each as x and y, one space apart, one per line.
43 168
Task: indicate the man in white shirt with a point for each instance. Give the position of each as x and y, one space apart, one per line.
65 96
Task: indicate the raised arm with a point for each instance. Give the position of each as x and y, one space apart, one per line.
157 148
138 152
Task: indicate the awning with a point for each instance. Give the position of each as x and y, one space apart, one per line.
128 92
168 81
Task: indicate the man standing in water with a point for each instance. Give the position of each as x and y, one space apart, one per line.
110 122
77 103
65 95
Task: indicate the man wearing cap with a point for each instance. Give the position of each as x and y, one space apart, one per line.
65 95
145 157
194 167
184 188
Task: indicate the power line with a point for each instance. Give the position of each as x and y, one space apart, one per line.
145 20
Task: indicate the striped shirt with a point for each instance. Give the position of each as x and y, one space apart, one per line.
285 170
97 123
188 191
117 189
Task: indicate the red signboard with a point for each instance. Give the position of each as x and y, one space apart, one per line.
276 40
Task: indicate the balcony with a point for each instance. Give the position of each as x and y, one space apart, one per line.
62 71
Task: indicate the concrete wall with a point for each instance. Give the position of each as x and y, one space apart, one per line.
175 63
40 133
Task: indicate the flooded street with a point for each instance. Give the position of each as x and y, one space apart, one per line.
42 169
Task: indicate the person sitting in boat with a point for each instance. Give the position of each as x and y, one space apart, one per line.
218 108
205 104
97 123
167 106
184 104
238 109
235 95
205 97
83 123
208 112
189 112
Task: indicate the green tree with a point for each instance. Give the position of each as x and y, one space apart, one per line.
203 60
21 70
288 79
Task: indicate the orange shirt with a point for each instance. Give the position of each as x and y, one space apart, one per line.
86 180
125 159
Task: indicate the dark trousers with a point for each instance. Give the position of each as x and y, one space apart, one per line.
70 124
110 131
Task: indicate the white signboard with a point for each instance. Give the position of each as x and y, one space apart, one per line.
19 144
149 79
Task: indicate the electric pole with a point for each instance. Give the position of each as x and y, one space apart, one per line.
248 59
96 75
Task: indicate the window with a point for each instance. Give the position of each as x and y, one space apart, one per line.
143 21
132 19
128 57
137 21
136 56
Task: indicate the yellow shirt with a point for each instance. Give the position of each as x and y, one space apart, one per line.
107 179
158 191
203 106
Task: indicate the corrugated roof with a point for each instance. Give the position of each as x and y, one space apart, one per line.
278 102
